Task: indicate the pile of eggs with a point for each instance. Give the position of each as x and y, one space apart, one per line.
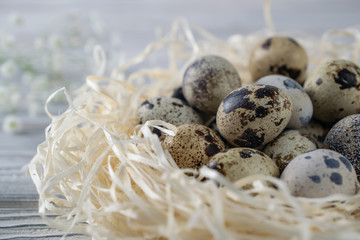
303 129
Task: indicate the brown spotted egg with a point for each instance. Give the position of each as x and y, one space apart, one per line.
287 146
207 81
193 145
315 130
253 115
302 105
171 110
279 55
320 173
334 88
344 138
237 163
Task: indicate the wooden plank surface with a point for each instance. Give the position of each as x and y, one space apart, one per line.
25 223
19 218
136 21
16 188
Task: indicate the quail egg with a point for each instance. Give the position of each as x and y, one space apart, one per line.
193 145
315 130
253 115
334 90
279 55
344 138
287 146
237 163
207 81
302 105
171 110
320 173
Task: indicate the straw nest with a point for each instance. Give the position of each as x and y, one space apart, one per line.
101 174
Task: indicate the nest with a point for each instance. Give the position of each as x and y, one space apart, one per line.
100 173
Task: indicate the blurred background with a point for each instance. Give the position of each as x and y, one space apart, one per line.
48 44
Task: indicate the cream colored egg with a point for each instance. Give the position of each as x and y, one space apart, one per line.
288 145
279 55
302 105
207 81
237 163
316 131
193 145
171 110
334 90
320 173
253 115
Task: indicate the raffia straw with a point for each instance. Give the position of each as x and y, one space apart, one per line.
268 17
103 175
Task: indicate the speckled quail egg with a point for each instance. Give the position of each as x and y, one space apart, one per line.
344 138
302 105
212 124
287 146
279 55
193 145
316 130
207 81
171 110
253 115
237 163
320 173
334 90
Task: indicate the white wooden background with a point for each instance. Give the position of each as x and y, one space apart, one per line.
136 20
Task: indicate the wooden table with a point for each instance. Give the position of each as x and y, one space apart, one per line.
19 217
136 21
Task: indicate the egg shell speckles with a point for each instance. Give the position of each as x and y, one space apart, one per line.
193 145
253 115
237 163
344 138
287 146
334 89
171 110
320 173
279 55
207 81
302 105
316 130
